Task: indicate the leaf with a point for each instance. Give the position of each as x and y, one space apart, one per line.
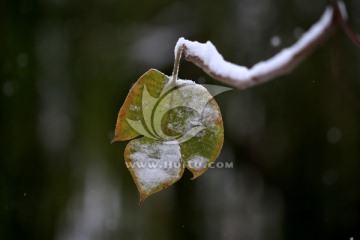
181 126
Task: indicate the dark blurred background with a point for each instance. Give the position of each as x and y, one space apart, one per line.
66 67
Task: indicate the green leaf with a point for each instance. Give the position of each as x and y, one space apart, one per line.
182 127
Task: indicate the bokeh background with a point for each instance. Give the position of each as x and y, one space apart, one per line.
66 67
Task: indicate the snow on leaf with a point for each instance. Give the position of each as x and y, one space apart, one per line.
153 165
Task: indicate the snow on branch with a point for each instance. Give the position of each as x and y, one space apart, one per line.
206 56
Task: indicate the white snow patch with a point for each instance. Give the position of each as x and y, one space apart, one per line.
342 9
198 162
134 108
210 116
155 163
182 81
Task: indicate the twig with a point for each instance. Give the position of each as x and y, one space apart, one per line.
178 51
205 55
354 36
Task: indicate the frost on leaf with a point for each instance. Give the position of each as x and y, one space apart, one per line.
181 126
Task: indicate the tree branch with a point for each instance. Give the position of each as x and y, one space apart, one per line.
205 55
354 36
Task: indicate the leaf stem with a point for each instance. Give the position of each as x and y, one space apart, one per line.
178 51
